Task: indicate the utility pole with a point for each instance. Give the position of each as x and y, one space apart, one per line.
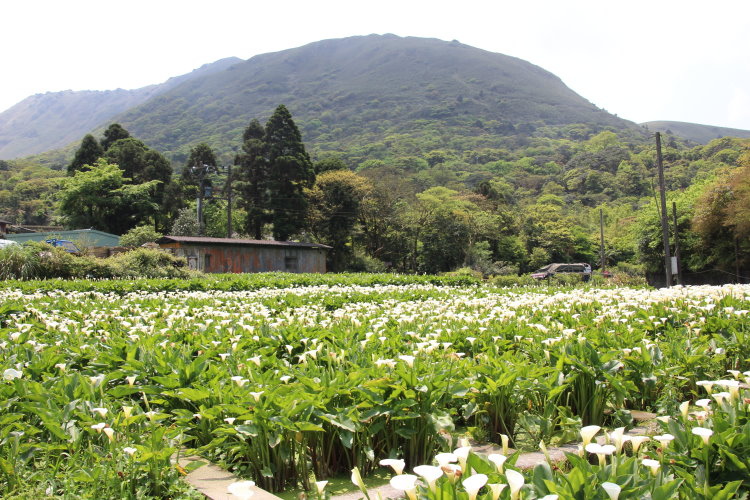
200 171
664 224
677 245
601 239
229 200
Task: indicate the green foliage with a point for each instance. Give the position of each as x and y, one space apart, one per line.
112 134
335 201
186 223
252 183
33 260
290 171
139 235
87 154
99 198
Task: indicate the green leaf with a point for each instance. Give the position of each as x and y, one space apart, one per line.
666 491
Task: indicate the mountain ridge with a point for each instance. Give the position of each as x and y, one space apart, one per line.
695 132
51 120
366 88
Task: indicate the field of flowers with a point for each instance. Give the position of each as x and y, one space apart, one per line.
291 385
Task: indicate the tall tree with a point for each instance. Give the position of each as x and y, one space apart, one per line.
252 182
114 133
290 171
335 202
87 154
102 198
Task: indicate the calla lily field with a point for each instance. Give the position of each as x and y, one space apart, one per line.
289 384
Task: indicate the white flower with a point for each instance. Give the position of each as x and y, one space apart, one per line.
409 360
100 411
241 489
462 454
131 380
496 489
357 480
239 380
473 484
515 482
664 440
588 433
704 433
430 473
652 464
256 395
396 464
127 411
706 384
612 489
637 441
703 403
684 408
445 458
230 420
110 432
504 439
98 427
320 486
406 483
129 450
12 373
498 460
619 438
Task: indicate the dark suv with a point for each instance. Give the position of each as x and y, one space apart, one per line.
551 269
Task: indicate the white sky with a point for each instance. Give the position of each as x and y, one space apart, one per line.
643 60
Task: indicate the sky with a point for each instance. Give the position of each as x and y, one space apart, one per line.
641 60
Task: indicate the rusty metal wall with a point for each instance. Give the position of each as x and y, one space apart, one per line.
244 259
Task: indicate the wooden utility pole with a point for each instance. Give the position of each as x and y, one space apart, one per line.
601 240
677 245
664 224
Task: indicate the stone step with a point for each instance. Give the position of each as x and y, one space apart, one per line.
213 481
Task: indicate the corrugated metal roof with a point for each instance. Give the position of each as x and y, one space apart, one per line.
237 241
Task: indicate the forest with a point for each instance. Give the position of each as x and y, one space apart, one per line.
415 204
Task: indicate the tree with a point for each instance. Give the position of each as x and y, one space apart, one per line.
335 200
114 133
290 171
185 224
141 164
100 198
330 162
87 154
252 179
139 235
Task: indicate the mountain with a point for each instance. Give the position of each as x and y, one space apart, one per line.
53 120
365 92
695 132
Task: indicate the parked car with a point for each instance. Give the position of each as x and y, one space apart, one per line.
66 245
552 269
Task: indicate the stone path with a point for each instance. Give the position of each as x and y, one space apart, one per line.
212 480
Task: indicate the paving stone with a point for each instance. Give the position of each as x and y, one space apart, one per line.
212 481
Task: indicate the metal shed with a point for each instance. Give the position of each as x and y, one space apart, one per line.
82 237
229 255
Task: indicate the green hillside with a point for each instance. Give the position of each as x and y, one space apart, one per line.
370 92
695 132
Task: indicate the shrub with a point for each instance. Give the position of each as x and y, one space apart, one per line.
148 263
139 236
